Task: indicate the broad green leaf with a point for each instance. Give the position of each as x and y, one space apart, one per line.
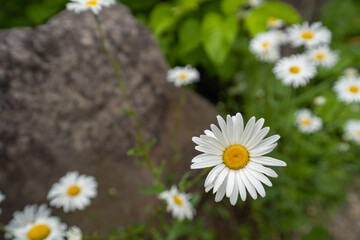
189 37
218 34
256 21
230 6
162 18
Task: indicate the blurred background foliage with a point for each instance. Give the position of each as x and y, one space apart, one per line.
213 36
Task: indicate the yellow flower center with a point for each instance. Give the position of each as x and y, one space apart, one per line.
39 232
236 157
354 89
91 3
306 121
307 35
73 191
320 56
295 69
265 44
272 19
183 76
358 132
178 200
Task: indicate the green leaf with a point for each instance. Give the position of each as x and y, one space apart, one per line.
218 35
162 18
256 21
189 37
230 6
135 151
127 111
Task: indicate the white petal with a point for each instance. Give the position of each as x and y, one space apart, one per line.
230 130
213 174
220 179
223 127
268 161
247 131
239 127
218 134
255 182
262 178
262 169
209 149
221 193
257 139
248 185
230 183
235 194
206 164
259 151
268 141
241 186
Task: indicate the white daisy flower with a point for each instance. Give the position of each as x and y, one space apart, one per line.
2 198
265 46
274 22
352 130
308 35
35 223
74 233
73 192
178 203
296 70
320 101
348 89
183 75
83 5
307 122
237 154
323 56
351 72
255 3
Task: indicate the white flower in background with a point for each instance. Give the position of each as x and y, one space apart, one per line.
323 56
178 204
320 101
348 89
296 70
2 198
307 122
255 3
274 22
183 75
351 72
352 130
83 5
73 192
35 223
265 46
237 154
74 233
308 35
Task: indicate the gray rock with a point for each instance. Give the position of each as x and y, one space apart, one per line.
60 111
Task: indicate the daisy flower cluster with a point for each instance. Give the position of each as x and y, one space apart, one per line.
296 70
35 222
347 89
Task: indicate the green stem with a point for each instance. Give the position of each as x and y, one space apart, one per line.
139 133
196 179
